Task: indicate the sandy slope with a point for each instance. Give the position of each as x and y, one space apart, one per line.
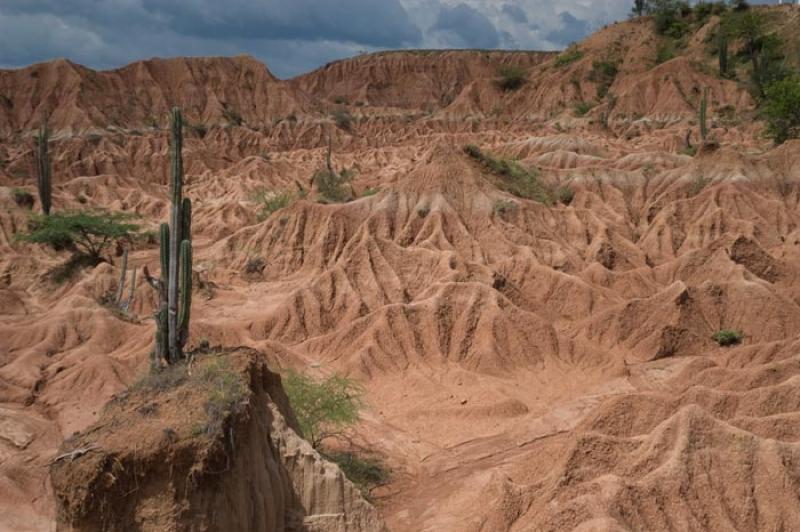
546 368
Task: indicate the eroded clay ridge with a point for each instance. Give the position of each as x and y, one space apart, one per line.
529 365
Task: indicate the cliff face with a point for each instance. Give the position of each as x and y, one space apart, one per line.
213 90
162 457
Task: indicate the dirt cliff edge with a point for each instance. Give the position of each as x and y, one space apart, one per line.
194 450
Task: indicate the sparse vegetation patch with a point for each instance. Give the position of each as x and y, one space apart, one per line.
728 337
515 179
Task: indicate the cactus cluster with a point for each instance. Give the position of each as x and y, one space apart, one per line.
175 285
43 171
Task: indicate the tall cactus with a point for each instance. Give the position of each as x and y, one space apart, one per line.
723 52
703 115
175 285
43 170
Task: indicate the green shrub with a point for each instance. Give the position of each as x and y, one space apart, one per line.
782 109
341 100
665 52
565 195
603 73
669 17
323 408
370 192
698 184
512 77
270 202
232 116
88 232
503 207
343 119
581 108
22 198
570 55
332 186
727 337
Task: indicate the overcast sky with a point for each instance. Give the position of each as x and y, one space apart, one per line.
291 36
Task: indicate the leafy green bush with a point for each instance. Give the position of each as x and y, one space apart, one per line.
570 55
782 109
88 232
323 408
341 100
271 202
727 337
512 77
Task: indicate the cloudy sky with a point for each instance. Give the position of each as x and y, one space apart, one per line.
291 36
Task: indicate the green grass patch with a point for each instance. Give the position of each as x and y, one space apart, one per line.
569 56
270 202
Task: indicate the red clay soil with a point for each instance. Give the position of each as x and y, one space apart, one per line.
209 445
527 366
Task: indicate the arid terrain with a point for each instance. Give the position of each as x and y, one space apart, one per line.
528 365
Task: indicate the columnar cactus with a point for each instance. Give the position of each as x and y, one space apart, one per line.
175 285
703 115
723 53
43 170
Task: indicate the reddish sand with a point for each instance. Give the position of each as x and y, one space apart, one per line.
542 368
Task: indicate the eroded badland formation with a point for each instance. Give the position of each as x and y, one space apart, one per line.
527 365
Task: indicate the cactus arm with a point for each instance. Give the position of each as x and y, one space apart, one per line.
186 291
164 241
186 211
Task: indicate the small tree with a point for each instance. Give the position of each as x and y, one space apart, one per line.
88 233
323 408
782 109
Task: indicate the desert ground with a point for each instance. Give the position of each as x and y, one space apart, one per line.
527 365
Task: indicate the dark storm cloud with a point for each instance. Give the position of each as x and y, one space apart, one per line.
572 29
291 36
471 28
382 23
516 13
